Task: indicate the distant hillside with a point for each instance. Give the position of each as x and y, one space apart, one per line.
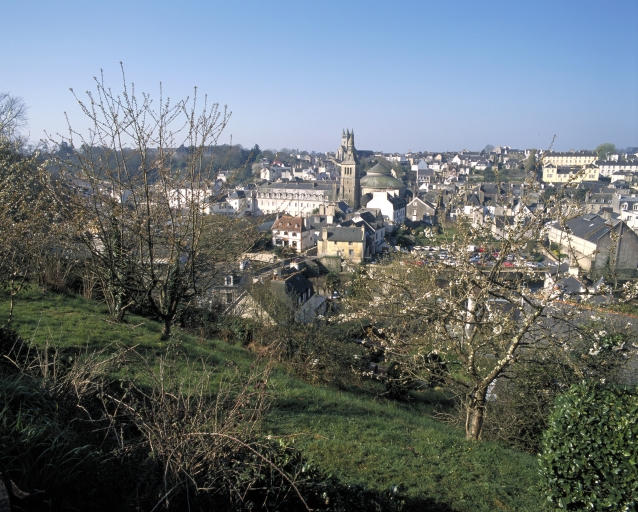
215 158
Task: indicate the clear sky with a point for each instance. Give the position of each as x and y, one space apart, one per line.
405 75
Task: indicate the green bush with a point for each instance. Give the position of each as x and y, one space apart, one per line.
590 457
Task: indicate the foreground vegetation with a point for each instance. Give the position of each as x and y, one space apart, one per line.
349 436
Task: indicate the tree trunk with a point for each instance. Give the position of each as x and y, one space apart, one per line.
475 414
11 307
166 329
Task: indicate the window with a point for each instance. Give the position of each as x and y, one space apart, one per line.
350 252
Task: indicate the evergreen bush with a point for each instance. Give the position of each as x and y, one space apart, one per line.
590 457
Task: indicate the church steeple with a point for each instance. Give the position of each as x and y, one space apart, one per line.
350 183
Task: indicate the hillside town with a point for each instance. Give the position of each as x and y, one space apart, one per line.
334 211
319 256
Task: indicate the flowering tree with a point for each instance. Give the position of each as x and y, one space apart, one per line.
477 317
25 221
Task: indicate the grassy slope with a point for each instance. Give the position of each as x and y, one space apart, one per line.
357 438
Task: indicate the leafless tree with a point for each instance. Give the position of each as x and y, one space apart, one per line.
142 218
13 114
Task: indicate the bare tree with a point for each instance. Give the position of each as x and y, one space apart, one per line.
13 114
142 218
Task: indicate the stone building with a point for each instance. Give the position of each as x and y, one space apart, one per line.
349 243
597 245
349 186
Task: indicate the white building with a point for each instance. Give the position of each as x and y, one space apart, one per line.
392 207
608 168
270 173
291 232
295 199
580 159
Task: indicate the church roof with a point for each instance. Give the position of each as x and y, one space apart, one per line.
379 177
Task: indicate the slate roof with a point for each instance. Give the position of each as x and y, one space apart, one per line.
570 285
295 284
590 227
237 194
301 186
345 234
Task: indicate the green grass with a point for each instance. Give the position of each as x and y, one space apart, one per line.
352 435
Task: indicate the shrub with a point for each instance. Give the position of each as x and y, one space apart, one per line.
589 459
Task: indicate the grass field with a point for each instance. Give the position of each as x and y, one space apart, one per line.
354 436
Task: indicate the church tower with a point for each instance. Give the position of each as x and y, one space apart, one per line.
350 184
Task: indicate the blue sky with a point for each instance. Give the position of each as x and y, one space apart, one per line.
411 75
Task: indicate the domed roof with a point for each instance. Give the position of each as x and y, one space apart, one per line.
379 177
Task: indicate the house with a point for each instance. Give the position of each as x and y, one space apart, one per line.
421 165
270 173
424 177
182 198
626 206
348 243
421 210
595 202
228 285
240 201
279 300
374 225
597 245
291 232
392 207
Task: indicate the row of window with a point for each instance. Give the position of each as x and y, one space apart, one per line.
288 195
